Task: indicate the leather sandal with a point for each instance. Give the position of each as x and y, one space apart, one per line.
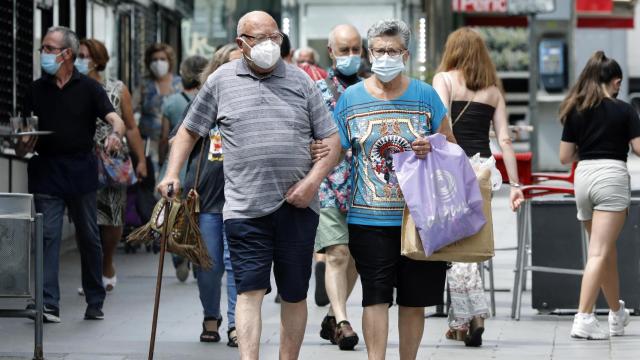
458 335
208 335
345 337
476 328
232 334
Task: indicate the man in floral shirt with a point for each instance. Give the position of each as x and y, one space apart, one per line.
332 237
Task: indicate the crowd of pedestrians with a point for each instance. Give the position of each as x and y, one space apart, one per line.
298 166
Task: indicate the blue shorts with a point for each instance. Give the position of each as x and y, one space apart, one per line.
284 238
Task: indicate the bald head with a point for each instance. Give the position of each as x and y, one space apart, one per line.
256 22
344 40
344 33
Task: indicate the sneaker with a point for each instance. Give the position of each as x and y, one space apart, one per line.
328 328
586 326
321 297
93 313
109 283
182 270
618 320
345 337
50 314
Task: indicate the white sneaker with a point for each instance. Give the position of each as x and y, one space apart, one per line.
617 322
587 327
109 283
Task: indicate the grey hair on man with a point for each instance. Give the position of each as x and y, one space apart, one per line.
390 27
298 52
332 34
69 39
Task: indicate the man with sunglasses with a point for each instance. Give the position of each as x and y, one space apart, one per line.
64 170
268 112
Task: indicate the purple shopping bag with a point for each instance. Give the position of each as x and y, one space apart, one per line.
441 192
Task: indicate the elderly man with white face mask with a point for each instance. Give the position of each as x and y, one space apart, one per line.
268 112
382 115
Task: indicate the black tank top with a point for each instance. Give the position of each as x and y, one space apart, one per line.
472 129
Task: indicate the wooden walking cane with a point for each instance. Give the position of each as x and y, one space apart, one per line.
163 250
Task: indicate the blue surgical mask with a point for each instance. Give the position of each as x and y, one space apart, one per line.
348 65
49 64
387 68
82 65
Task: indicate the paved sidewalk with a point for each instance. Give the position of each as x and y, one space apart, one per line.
124 333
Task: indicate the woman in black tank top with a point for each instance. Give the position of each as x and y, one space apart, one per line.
468 82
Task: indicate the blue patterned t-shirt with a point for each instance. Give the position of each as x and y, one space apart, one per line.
375 129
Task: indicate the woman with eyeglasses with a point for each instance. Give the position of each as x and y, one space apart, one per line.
382 115
92 61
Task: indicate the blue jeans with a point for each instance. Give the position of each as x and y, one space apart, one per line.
82 209
210 281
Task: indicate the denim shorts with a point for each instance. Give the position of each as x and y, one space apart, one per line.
284 238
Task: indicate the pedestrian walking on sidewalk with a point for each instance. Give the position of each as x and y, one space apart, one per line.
467 81
598 129
268 112
111 200
64 173
382 115
332 238
211 191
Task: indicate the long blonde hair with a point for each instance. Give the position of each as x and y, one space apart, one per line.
466 52
588 92
220 57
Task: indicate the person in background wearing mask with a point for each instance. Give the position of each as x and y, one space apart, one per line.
268 112
64 173
306 59
338 272
382 115
92 61
161 83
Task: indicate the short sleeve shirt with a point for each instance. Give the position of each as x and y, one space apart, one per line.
335 188
173 108
375 130
266 124
66 163
604 131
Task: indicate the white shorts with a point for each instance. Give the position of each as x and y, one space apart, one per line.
601 185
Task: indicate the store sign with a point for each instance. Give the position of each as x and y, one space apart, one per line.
503 6
594 6
479 6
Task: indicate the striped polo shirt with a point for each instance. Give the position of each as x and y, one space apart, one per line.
267 123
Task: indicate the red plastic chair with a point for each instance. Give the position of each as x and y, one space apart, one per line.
547 176
524 167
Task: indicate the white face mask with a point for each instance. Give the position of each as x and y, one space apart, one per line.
387 68
159 68
265 54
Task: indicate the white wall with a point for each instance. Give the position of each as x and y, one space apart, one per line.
633 40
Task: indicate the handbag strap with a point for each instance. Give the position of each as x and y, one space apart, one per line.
450 81
199 165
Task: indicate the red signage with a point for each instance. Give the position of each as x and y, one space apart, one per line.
594 6
480 6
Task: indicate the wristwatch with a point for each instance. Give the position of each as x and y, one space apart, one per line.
514 184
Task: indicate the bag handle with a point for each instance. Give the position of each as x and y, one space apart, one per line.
197 180
450 82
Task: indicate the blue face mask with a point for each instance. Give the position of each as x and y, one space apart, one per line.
49 64
348 65
82 65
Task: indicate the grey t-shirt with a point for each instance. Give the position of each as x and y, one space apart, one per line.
266 124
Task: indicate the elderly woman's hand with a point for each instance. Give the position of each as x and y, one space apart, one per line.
318 150
421 147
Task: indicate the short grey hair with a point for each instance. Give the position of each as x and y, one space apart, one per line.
389 27
69 38
332 34
296 54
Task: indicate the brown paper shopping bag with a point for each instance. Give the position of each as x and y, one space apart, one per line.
476 248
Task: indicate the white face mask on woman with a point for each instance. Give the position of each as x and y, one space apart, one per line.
159 68
387 68
264 54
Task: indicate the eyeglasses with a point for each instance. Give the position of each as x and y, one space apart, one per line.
50 49
276 38
377 53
